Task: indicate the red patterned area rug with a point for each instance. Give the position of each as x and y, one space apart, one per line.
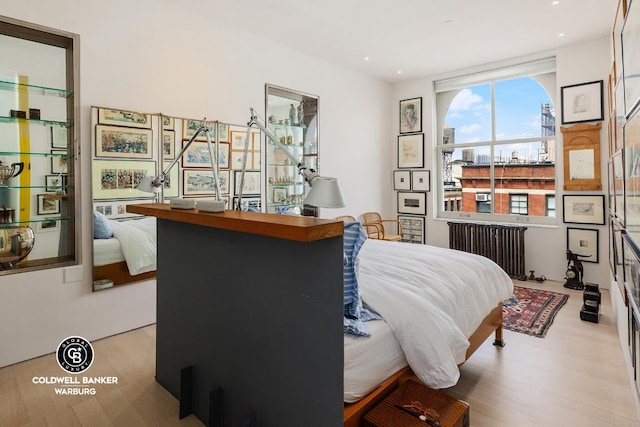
531 311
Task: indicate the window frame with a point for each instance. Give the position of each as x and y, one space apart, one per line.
543 71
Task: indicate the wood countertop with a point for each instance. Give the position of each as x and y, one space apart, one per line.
298 228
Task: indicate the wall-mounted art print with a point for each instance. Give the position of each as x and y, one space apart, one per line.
583 209
59 137
168 144
124 118
191 126
53 183
582 102
120 142
197 155
200 182
411 115
47 205
583 242
223 132
411 151
248 202
118 179
168 123
253 160
59 160
421 180
251 182
412 203
402 180
48 224
280 195
171 186
631 57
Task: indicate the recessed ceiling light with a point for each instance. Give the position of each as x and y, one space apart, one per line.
399 71
555 3
366 58
561 35
448 21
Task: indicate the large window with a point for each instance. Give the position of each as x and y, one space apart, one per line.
496 150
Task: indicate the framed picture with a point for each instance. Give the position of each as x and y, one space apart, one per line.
118 179
412 228
583 242
582 102
168 144
223 132
59 137
411 151
253 202
171 186
48 224
251 182
421 180
124 118
253 160
59 161
581 151
47 205
402 180
412 203
168 123
238 137
411 115
121 142
631 57
117 209
587 209
280 194
198 182
53 183
190 127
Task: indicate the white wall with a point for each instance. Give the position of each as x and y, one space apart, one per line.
545 246
156 56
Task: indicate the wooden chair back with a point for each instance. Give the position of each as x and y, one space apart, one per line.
375 226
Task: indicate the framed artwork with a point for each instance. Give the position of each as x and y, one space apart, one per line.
168 123
117 209
411 151
412 228
582 102
53 183
618 185
631 190
412 203
238 138
198 182
583 242
59 137
280 194
124 118
583 209
59 161
118 179
168 144
421 180
49 224
411 115
253 160
631 57
247 202
251 182
581 149
402 180
190 127
171 186
223 133
126 143
47 205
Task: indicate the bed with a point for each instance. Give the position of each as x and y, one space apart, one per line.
459 295
129 255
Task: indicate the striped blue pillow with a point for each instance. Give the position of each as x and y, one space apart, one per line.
354 312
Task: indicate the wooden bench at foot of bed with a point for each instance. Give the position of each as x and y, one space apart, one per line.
354 412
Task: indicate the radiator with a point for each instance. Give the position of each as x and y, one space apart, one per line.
503 244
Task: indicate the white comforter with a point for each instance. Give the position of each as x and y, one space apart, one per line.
138 241
433 299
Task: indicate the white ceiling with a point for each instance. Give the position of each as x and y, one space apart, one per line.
419 37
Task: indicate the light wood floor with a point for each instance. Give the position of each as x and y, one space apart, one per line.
575 376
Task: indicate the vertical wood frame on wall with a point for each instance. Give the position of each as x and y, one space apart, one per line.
581 148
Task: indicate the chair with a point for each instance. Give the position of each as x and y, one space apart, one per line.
345 218
375 227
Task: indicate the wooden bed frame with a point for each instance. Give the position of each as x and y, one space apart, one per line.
354 412
119 273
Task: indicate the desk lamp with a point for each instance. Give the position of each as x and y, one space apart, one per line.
325 191
153 184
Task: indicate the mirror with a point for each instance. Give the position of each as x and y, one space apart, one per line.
128 145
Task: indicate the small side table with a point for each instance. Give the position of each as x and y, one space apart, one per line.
452 412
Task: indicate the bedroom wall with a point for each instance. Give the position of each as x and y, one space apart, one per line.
578 63
160 56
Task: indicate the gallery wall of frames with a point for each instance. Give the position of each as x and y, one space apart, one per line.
624 168
129 145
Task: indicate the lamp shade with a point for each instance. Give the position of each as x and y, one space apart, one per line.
146 185
325 193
